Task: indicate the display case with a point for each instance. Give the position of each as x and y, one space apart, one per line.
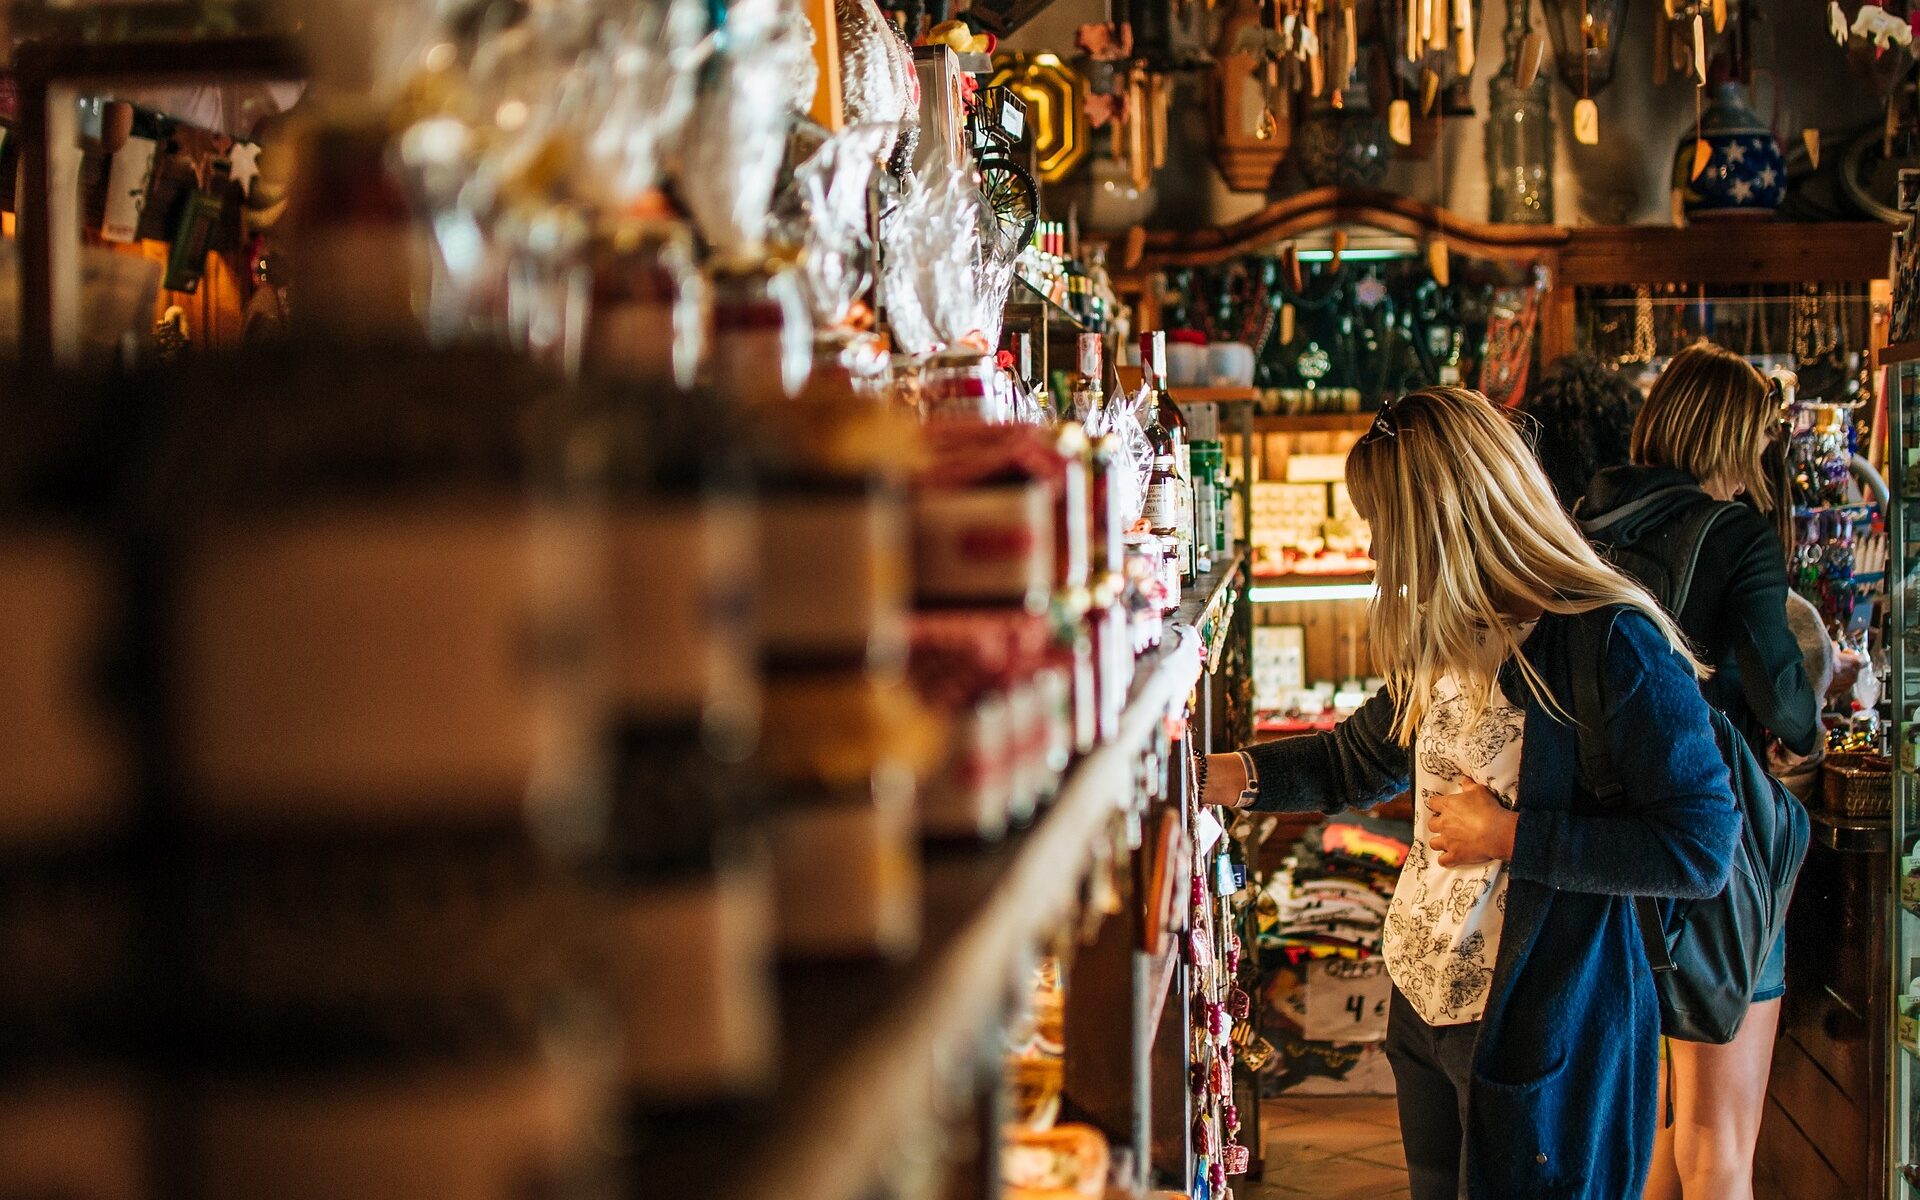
1903 1120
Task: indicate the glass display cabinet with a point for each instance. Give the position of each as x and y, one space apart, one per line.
1903 461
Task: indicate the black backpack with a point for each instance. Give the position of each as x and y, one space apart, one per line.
1663 561
1708 954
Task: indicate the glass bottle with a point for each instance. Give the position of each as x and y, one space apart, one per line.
1519 137
1089 392
1166 415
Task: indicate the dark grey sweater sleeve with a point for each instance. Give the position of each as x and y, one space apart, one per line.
1773 678
1356 765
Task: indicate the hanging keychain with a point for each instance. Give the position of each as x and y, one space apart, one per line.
200 215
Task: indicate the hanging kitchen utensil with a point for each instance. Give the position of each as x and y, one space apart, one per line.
1526 67
1586 122
1811 139
1400 123
1463 37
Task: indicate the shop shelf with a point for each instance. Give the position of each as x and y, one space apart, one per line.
1215 395
1335 422
870 1052
1207 605
1897 353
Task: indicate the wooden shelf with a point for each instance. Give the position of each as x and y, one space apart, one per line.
1354 422
1212 395
1208 601
1897 353
871 1052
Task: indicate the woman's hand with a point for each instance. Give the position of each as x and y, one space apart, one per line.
1226 780
1470 826
1780 760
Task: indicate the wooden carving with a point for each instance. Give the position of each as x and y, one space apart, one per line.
1252 124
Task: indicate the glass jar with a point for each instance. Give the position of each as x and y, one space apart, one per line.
961 386
1519 140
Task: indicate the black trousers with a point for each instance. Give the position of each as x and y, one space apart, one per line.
1432 1066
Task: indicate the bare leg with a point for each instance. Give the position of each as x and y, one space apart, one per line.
1663 1178
1720 1093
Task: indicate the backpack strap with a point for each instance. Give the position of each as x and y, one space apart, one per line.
1587 656
1690 537
1687 537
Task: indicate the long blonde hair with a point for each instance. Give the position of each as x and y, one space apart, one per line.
1709 414
1464 523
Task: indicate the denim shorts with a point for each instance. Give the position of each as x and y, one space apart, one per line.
1772 983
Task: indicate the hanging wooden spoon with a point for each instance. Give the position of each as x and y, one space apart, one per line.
1400 123
1463 37
1811 138
1437 261
1339 242
1526 68
1290 264
1429 90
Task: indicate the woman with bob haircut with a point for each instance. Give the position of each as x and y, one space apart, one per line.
1699 443
1524 1028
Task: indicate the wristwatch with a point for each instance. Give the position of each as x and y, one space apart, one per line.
1251 791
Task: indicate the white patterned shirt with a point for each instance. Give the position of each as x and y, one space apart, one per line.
1443 925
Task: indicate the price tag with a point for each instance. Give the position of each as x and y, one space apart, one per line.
1347 1000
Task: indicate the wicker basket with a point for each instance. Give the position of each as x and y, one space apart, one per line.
1858 785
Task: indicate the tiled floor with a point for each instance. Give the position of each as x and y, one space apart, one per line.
1331 1148
1348 1148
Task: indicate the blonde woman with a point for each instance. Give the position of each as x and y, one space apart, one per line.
1699 443
1523 1029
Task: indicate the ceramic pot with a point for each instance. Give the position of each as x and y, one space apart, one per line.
1745 176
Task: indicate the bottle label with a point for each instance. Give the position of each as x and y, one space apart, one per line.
84 1137
680 607
127 179
68 769
833 575
693 984
1161 510
984 544
384 664
500 1130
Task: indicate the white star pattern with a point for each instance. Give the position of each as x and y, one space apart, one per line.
1742 190
1735 152
1767 177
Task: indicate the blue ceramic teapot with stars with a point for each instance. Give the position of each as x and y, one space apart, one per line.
1745 175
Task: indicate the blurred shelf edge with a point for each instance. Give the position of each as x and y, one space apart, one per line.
870 1049
1896 353
1214 395
1207 605
1027 300
1298 588
1339 422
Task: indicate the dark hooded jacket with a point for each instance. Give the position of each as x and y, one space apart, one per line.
1735 615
